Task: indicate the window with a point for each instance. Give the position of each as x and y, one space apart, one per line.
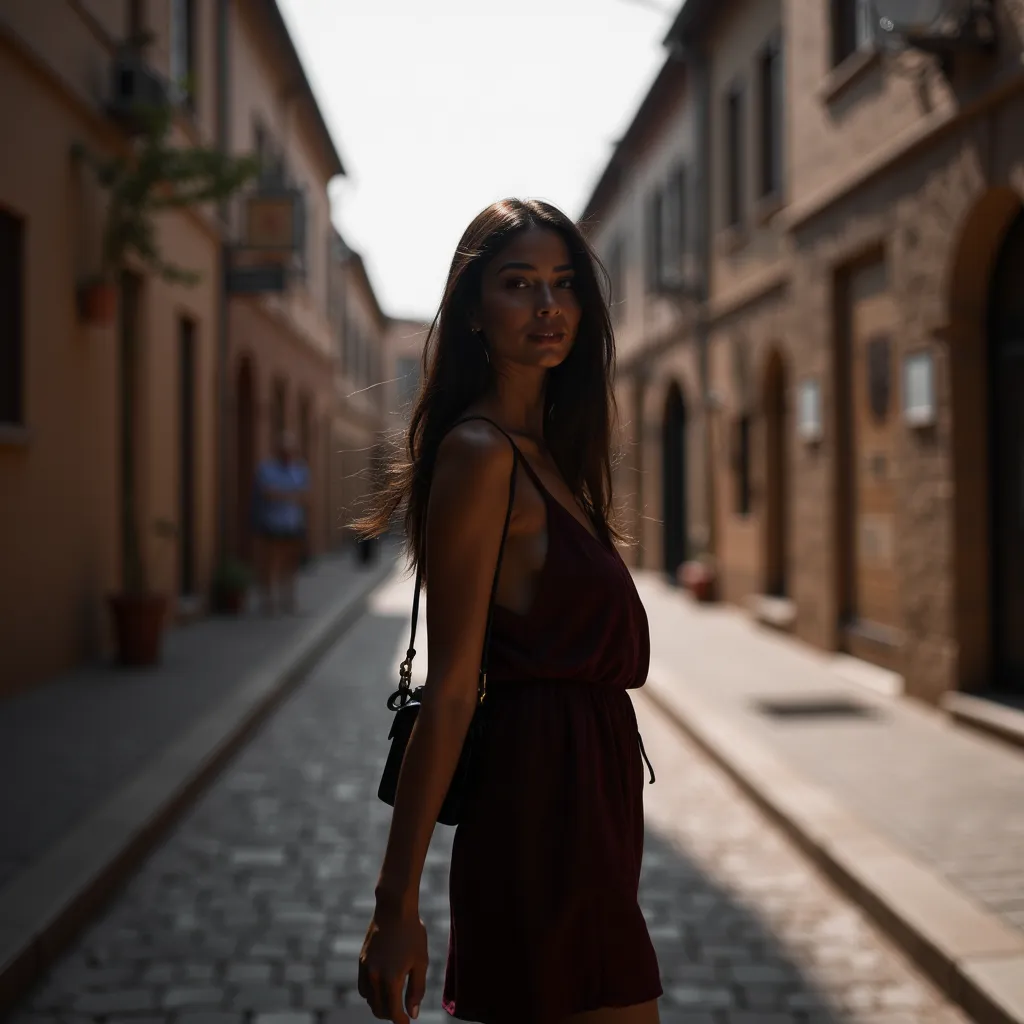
772 99
617 278
734 210
743 490
676 223
183 51
408 373
12 299
654 240
136 18
851 28
259 145
278 411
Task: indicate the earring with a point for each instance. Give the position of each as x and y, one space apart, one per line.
479 332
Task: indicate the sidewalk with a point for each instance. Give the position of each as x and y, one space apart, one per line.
102 758
921 820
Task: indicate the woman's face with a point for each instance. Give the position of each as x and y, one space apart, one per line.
529 311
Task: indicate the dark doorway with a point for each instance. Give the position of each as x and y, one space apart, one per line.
776 433
186 457
1006 439
306 443
673 451
128 380
245 455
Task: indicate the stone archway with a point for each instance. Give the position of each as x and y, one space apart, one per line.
970 279
776 479
674 474
245 455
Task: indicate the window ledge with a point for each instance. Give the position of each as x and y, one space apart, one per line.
843 75
766 208
13 435
732 239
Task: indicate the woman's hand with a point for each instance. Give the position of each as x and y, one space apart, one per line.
395 948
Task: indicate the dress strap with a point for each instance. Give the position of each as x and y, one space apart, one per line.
530 471
643 754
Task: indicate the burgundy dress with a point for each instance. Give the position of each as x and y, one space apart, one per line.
546 861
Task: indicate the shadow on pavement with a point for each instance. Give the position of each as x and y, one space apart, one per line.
258 901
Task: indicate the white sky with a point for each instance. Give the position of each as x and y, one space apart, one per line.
440 107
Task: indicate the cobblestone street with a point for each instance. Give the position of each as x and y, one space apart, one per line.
254 908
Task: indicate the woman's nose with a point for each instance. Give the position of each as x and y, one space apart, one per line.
547 303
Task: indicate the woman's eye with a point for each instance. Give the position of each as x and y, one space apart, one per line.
567 283
516 282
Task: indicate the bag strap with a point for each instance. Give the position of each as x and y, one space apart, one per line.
401 696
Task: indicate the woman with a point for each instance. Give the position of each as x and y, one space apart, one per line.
281 503
545 925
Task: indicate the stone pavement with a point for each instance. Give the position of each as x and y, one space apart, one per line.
73 741
951 797
254 908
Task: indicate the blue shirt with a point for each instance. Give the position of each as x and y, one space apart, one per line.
272 514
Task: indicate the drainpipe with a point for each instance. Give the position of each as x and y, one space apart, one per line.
698 61
223 383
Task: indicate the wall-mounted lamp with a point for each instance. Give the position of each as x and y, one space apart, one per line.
809 421
919 389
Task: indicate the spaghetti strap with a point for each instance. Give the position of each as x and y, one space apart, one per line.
556 812
523 461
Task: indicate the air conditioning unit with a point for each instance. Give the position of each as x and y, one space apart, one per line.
135 88
937 26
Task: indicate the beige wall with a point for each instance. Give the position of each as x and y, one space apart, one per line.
60 546
643 320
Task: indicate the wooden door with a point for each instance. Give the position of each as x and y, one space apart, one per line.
873 601
1007 448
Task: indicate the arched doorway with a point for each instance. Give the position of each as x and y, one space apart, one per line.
673 454
306 444
1006 455
776 432
245 455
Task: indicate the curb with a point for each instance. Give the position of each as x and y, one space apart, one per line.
969 953
44 908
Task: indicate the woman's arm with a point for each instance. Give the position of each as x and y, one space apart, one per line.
465 516
466 513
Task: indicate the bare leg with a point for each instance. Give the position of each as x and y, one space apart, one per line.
641 1013
265 559
292 551
278 567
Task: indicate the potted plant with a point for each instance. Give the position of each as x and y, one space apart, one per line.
231 582
151 177
698 576
97 301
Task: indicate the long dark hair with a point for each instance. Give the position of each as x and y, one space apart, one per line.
579 403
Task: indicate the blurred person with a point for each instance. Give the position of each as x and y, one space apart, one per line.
545 921
282 499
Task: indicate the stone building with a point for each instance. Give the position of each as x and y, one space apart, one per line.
258 345
857 232
61 428
284 351
361 383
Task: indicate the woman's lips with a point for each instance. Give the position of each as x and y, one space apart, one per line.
547 336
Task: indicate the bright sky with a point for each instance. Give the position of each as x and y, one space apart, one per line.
440 107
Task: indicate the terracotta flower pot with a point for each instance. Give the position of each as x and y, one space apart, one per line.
699 580
97 303
230 600
138 627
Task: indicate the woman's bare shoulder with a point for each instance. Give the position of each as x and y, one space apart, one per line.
473 456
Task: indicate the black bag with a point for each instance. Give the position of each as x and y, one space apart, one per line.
405 702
